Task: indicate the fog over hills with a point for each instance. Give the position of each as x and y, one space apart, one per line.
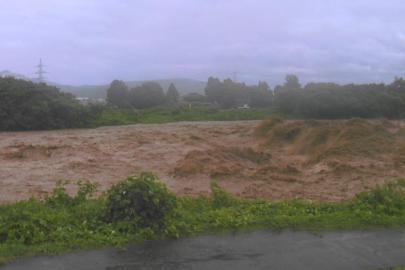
5 73
184 86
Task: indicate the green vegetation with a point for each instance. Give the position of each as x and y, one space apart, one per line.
316 100
147 95
140 208
229 94
26 105
334 101
158 115
172 95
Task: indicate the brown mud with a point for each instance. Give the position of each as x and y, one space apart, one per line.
309 159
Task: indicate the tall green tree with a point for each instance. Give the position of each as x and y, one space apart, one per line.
292 81
260 95
117 94
214 91
148 95
288 96
172 95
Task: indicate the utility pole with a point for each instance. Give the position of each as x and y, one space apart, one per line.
234 76
40 71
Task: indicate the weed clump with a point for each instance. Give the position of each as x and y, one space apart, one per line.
387 199
142 200
220 197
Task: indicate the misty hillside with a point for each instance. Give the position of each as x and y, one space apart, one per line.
184 86
6 73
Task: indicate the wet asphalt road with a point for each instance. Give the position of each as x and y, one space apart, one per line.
243 250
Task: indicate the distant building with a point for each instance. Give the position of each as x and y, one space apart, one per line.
193 97
83 99
243 106
86 100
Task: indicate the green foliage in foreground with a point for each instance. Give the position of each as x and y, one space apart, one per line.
159 115
60 222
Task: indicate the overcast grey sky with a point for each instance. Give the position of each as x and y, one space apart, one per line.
96 41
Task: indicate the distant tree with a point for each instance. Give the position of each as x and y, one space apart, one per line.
292 81
228 94
148 95
231 94
172 95
260 95
117 94
214 90
288 96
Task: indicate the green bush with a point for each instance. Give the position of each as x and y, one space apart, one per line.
387 199
140 199
25 105
220 197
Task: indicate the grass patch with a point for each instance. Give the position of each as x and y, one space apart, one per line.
60 222
158 115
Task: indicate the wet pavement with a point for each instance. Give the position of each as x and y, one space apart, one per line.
262 249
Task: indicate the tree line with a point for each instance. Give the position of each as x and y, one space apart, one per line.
334 101
25 105
147 95
316 100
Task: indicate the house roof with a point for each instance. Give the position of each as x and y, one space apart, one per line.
193 95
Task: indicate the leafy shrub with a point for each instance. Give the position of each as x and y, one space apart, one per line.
57 218
220 197
60 197
388 199
140 199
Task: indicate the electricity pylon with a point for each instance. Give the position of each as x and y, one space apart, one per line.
41 71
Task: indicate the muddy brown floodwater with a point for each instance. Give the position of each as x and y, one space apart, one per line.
185 155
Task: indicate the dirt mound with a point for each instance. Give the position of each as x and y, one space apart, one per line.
220 161
322 140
